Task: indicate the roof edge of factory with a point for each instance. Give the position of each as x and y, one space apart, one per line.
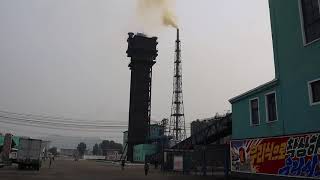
255 90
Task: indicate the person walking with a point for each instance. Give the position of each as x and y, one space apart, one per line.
146 168
50 160
122 165
156 164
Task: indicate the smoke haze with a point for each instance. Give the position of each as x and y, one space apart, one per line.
155 11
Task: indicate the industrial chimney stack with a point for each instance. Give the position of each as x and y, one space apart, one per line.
143 51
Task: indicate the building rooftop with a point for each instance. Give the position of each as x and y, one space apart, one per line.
255 90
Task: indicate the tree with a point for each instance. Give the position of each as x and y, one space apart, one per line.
96 149
82 148
53 151
110 145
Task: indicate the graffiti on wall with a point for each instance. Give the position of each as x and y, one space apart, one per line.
297 155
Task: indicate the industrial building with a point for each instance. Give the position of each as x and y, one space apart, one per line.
207 149
142 138
201 124
143 51
156 141
67 152
275 128
143 150
156 132
140 151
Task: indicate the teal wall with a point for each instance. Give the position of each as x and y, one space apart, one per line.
295 65
142 150
242 127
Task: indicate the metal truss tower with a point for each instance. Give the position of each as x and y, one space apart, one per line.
177 128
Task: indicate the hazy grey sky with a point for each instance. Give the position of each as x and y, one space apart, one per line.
67 58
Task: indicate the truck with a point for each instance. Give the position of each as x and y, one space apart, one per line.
13 155
5 149
29 153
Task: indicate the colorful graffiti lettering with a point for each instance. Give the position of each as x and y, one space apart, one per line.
303 146
301 167
297 155
267 151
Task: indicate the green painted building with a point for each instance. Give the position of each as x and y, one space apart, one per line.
142 150
289 104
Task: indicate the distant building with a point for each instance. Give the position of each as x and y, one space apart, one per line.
67 152
200 124
113 155
156 132
143 150
156 135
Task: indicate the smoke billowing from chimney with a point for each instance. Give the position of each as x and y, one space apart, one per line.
161 8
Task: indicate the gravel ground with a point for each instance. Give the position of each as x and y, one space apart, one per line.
89 170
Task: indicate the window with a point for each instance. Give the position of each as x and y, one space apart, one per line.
311 19
271 107
254 111
314 92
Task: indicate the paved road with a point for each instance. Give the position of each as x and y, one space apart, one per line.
88 170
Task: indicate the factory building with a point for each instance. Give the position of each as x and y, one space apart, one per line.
156 138
67 152
275 127
140 151
201 124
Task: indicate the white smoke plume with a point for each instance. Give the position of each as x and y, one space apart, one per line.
161 9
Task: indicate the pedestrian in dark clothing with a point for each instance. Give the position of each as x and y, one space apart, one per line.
204 170
156 165
122 165
146 168
50 161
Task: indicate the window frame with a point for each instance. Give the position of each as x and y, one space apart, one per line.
267 108
311 94
304 38
250 110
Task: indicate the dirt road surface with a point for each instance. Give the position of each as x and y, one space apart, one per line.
89 170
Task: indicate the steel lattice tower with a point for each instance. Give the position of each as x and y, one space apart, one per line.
177 127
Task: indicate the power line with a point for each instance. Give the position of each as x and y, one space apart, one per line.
57 118
61 124
13 115
58 128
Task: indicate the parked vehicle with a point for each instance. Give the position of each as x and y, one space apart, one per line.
13 155
29 153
